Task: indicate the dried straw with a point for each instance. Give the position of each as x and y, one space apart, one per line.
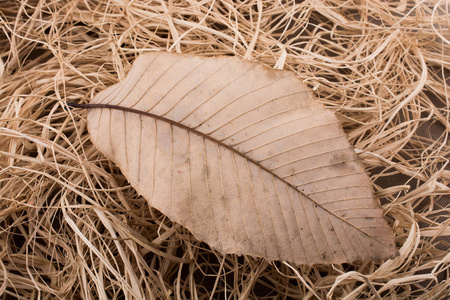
71 226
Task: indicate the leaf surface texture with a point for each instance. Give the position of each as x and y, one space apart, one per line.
243 157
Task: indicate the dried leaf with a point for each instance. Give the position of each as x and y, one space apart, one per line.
243 157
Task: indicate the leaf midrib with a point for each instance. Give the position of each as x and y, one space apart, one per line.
180 125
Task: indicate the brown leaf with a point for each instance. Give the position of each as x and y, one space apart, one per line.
243 157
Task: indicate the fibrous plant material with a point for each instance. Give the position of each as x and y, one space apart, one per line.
243 157
71 227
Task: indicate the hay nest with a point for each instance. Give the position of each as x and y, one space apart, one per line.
72 227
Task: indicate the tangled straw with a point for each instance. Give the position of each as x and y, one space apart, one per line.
71 226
